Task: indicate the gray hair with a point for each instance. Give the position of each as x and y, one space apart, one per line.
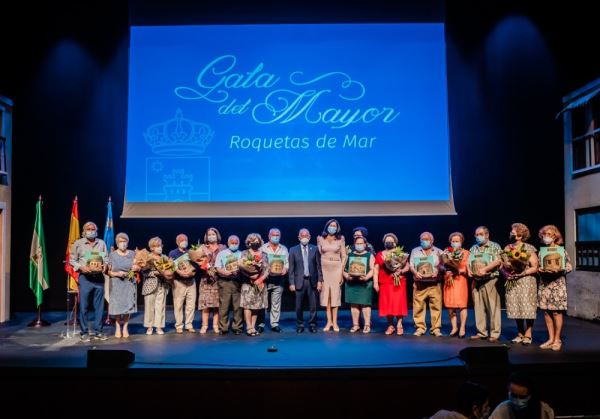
233 236
154 241
484 228
122 236
428 234
250 237
274 230
86 225
303 229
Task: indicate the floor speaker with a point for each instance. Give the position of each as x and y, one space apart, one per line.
113 358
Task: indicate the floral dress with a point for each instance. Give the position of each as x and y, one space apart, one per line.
252 297
552 291
522 294
209 288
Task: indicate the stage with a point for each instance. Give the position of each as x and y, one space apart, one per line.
360 371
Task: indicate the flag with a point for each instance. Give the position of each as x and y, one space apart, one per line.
38 266
109 232
72 275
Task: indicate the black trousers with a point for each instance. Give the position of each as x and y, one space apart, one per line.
311 293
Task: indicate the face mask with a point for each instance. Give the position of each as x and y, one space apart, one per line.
455 245
517 403
425 244
122 246
212 238
548 240
389 245
234 247
183 245
359 247
255 245
304 240
275 239
91 234
158 250
480 239
332 230
512 238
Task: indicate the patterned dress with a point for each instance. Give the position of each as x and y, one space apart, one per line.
209 288
123 292
253 298
521 297
552 291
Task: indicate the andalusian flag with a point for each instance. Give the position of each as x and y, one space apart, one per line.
38 266
72 275
109 232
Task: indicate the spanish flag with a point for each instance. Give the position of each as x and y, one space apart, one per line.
72 275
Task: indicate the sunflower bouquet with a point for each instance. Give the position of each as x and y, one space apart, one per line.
516 259
394 261
165 267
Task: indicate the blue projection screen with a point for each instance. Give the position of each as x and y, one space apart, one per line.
288 120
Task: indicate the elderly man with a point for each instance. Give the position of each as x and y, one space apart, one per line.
184 287
88 258
486 299
306 278
278 267
230 287
425 264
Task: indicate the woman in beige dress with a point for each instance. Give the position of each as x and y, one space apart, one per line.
332 248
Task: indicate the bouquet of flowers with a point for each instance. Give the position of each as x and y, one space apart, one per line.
516 258
395 260
141 259
198 253
452 259
165 267
252 265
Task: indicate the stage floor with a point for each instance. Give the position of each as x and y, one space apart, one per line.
25 347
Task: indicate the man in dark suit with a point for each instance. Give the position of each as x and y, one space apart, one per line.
305 278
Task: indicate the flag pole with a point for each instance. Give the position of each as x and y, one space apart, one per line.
108 321
38 321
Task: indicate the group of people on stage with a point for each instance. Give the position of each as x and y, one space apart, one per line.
221 279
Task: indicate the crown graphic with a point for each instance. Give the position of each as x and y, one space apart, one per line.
178 185
178 136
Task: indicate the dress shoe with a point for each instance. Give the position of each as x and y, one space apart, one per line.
313 329
478 337
493 339
299 329
276 329
237 332
260 329
223 332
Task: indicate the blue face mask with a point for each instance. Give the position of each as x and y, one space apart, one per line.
480 239
359 247
91 234
425 244
275 239
518 403
332 230
234 247
455 245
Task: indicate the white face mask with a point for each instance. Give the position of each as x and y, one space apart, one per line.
158 250
122 246
548 240
519 403
304 240
183 245
91 234
212 238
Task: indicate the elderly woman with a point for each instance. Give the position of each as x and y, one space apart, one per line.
123 286
154 289
456 288
521 286
392 293
254 266
359 284
208 302
425 264
552 291
332 248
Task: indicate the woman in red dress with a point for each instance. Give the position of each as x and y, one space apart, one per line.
391 285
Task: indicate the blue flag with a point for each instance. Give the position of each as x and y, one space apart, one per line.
109 232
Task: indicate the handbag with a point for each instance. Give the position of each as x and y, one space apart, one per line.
150 285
